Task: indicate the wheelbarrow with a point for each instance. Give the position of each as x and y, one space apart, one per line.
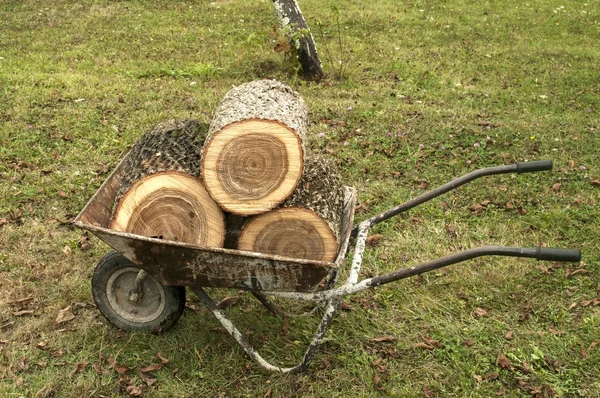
141 286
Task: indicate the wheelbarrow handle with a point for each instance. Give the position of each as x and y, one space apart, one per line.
553 254
536 165
519 168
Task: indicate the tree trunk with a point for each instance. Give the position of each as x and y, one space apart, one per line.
292 23
161 194
253 157
308 224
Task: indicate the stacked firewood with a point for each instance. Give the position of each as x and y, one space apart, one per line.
245 182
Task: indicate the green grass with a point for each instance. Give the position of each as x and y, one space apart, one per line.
80 82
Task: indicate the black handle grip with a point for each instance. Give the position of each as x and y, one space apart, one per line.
536 165
566 255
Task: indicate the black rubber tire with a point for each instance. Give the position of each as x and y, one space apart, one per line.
111 282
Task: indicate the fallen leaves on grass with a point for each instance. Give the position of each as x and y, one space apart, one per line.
134 391
585 353
163 360
151 368
384 339
508 335
428 344
67 250
503 361
80 367
479 312
595 183
62 194
84 242
228 302
23 313
42 345
373 240
428 392
570 273
556 187
146 378
65 315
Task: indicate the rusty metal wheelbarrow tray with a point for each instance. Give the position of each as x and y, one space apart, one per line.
183 264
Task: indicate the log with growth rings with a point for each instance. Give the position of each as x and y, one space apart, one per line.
253 157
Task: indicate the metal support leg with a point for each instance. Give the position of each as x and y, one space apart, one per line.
252 353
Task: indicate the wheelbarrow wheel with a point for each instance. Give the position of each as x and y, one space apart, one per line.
152 308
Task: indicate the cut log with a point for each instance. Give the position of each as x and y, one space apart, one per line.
174 145
308 224
253 156
292 23
171 205
160 193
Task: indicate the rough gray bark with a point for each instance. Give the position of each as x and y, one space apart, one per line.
320 190
173 145
261 99
292 23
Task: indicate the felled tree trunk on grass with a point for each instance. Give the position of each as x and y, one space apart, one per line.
161 194
307 225
253 156
293 25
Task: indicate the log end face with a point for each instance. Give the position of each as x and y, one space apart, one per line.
252 166
290 232
172 206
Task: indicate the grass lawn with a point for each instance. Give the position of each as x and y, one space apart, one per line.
429 90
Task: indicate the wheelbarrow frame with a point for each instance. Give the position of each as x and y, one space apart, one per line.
262 274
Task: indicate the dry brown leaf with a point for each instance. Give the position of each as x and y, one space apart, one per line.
362 206
595 183
423 185
42 345
479 312
373 240
163 360
80 367
62 194
383 339
84 242
423 346
569 273
151 368
508 335
556 187
134 391
268 393
22 313
67 250
571 163
121 369
428 392
99 369
65 315
228 302
555 332
284 325
19 381
282 47
503 361
478 378
146 378
469 343
433 342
